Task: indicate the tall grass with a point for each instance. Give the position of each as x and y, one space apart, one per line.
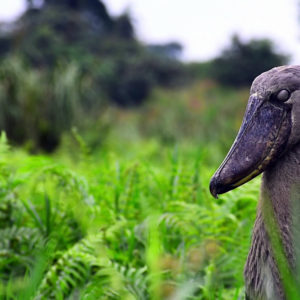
36 105
116 227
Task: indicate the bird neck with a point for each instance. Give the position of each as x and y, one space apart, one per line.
280 192
278 205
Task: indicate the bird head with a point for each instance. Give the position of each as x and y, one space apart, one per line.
270 127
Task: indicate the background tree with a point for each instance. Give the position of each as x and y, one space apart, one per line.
84 32
241 62
111 65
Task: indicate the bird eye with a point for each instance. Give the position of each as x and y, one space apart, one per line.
283 95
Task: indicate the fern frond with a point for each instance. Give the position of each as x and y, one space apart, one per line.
17 237
71 270
18 245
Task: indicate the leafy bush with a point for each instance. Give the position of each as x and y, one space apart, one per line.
37 106
129 81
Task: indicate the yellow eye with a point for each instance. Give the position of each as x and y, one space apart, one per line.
283 95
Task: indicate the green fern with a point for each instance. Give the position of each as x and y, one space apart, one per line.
18 247
72 269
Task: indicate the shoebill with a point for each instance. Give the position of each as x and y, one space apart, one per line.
268 142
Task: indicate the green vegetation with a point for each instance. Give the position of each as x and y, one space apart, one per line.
121 207
104 48
239 64
131 218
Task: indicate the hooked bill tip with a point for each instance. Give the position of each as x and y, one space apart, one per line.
214 194
213 188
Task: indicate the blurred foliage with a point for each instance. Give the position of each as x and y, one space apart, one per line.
241 62
200 70
65 62
69 59
102 46
172 49
201 114
37 106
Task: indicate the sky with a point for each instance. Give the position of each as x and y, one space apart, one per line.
203 27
